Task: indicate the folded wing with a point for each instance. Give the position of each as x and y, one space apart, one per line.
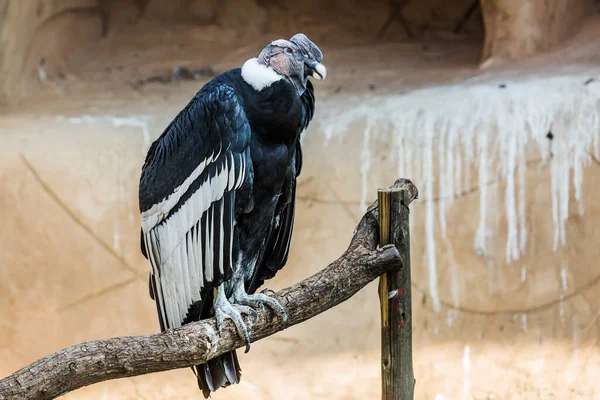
188 189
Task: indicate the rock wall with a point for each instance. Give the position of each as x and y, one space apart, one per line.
71 269
516 29
38 37
70 265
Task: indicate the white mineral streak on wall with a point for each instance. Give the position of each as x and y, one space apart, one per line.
467 372
481 234
441 133
450 317
134 121
365 161
116 164
564 283
564 278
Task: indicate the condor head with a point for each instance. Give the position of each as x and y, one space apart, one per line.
295 60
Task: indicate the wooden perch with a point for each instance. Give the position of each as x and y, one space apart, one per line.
397 377
196 343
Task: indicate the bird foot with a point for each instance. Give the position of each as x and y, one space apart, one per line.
259 300
225 310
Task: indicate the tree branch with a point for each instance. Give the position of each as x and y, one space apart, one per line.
196 343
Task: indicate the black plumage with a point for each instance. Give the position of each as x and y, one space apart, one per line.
217 193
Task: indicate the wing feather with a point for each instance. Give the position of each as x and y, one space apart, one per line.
187 221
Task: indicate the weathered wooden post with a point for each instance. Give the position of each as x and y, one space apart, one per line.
397 376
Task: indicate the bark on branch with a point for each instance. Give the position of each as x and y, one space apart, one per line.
96 361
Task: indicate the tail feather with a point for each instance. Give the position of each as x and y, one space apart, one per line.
218 372
233 372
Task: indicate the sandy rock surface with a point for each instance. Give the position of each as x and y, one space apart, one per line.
71 269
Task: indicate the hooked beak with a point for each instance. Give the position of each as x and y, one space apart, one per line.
317 70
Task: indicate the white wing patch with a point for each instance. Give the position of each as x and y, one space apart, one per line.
181 248
151 217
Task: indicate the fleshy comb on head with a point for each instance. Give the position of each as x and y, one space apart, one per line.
307 47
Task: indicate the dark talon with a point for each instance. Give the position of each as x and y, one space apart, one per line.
268 292
247 340
254 314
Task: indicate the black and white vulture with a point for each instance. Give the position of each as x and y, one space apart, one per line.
217 194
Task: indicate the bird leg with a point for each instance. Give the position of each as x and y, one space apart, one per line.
225 309
257 300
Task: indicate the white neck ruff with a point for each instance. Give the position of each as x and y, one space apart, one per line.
259 76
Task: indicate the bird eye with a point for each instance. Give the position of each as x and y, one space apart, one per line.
289 50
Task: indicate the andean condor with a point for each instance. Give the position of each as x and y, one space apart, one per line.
217 194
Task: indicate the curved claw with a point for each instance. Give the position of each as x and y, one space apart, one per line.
250 311
260 299
267 292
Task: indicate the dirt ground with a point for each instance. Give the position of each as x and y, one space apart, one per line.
70 267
